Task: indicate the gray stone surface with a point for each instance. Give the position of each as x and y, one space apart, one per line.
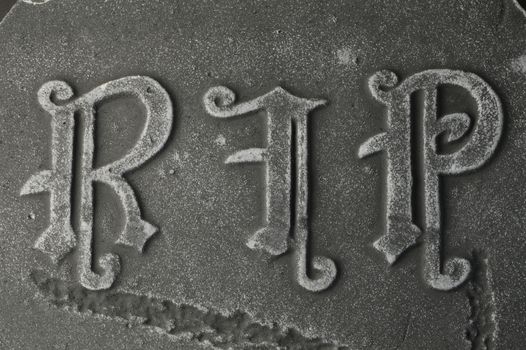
203 280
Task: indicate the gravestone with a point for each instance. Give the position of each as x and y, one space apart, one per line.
263 174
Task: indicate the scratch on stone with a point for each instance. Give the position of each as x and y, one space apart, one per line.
483 328
406 331
502 13
235 331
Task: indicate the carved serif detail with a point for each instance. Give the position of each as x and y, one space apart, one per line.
483 136
56 97
287 124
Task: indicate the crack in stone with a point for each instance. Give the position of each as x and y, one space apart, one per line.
483 324
236 331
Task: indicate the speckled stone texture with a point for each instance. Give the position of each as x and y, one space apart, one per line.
196 284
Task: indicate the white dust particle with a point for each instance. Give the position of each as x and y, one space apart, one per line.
346 56
220 140
519 64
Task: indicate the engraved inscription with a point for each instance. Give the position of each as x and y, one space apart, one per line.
287 130
56 97
400 231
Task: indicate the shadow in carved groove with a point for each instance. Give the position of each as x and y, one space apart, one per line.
5 6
